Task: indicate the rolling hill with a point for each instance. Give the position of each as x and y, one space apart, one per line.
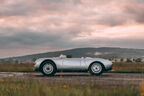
102 52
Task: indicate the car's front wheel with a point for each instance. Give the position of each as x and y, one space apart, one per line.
48 68
96 69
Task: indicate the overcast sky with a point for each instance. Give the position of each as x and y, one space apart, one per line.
34 26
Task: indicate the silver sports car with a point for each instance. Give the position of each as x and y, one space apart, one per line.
49 66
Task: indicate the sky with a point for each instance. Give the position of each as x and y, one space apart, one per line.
35 26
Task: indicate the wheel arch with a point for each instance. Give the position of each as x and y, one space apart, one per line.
47 60
99 63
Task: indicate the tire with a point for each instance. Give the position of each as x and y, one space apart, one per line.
96 69
48 68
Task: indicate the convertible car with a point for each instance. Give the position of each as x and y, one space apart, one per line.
49 66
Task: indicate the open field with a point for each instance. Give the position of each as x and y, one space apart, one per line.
71 84
15 82
23 67
20 80
117 67
131 67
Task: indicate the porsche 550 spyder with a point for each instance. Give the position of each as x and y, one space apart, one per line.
49 66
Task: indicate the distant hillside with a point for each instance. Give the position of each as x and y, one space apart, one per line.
103 52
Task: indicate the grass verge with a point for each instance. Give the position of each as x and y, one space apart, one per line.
32 88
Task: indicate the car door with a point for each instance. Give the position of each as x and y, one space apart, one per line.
71 64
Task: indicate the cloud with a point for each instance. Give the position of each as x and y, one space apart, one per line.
104 12
28 38
38 25
15 8
136 11
25 37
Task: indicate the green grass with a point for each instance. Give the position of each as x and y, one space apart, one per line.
33 88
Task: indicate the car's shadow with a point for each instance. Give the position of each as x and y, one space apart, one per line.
73 75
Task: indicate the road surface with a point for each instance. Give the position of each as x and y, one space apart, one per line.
107 79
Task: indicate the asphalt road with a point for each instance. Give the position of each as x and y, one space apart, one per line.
106 79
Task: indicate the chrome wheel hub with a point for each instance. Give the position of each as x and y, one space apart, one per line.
47 68
96 68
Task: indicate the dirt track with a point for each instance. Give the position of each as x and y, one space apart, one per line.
107 79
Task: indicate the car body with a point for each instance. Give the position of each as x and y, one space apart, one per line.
72 64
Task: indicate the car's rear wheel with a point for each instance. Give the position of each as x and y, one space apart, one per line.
48 68
96 69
